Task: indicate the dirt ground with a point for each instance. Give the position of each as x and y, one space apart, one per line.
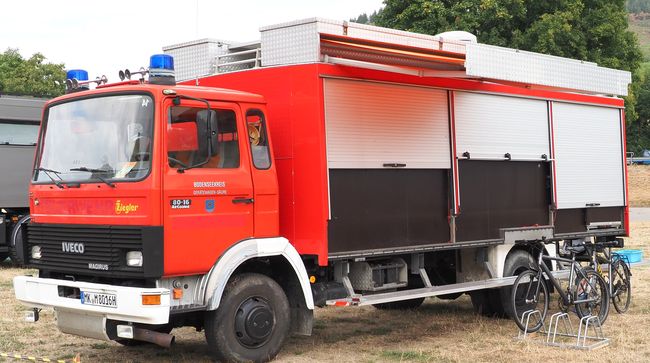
639 185
439 331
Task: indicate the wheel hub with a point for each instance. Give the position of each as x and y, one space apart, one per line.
254 322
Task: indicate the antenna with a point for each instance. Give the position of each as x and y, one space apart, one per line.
196 23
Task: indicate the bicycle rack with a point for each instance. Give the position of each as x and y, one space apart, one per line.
565 338
525 316
555 322
599 338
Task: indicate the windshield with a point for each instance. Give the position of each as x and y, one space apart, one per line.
97 139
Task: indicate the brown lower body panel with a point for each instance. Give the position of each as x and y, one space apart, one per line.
576 220
387 208
501 194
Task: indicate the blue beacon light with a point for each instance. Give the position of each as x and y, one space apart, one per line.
78 74
76 80
161 69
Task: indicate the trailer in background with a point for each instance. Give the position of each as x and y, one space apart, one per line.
19 122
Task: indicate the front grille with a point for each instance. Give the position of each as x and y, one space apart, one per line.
103 246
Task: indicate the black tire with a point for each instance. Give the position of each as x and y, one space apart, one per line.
517 262
528 286
593 287
252 321
3 256
450 296
621 286
17 235
487 302
400 305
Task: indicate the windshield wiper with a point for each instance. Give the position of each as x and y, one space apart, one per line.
48 171
94 171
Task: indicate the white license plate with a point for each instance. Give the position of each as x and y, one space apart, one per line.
99 299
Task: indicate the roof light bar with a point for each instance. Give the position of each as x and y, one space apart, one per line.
77 80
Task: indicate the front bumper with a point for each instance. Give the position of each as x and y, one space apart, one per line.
44 293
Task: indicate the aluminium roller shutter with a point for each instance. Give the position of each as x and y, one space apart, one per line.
370 124
489 126
589 156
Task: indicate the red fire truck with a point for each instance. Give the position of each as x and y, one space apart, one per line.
333 163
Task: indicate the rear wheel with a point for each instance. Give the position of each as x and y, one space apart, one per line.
529 293
252 321
517 262
487 302
621 286
592 287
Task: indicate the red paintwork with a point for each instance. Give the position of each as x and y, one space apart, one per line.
296 124
452 125
550 118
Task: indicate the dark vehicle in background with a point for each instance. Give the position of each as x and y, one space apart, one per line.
19 123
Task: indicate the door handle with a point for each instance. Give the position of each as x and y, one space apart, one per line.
243 200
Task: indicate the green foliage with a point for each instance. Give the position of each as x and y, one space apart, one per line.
590 30
638 133
365 18
638 6
30 77
593 30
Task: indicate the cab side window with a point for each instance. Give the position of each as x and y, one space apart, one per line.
183 147
257 136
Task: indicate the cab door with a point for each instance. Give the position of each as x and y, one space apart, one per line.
209 207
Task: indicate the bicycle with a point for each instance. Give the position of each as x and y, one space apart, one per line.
586 290
618 276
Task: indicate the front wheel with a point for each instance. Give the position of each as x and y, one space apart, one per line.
621 286
252 321
594 288
529 293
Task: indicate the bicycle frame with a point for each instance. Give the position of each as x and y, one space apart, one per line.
611 258
575 267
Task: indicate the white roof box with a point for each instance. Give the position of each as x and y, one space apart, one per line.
457 36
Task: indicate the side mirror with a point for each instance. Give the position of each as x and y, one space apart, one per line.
208 131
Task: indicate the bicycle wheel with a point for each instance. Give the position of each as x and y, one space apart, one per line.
593 287
529 292
621 286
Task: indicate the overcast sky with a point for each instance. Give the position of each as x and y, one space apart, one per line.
106 36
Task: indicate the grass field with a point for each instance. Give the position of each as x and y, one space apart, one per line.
642 30
440 331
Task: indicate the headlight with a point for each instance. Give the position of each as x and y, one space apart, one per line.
36 252
134 258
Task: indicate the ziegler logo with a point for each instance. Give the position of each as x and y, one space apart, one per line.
125 208
73 247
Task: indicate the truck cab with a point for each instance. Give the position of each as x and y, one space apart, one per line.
117 164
